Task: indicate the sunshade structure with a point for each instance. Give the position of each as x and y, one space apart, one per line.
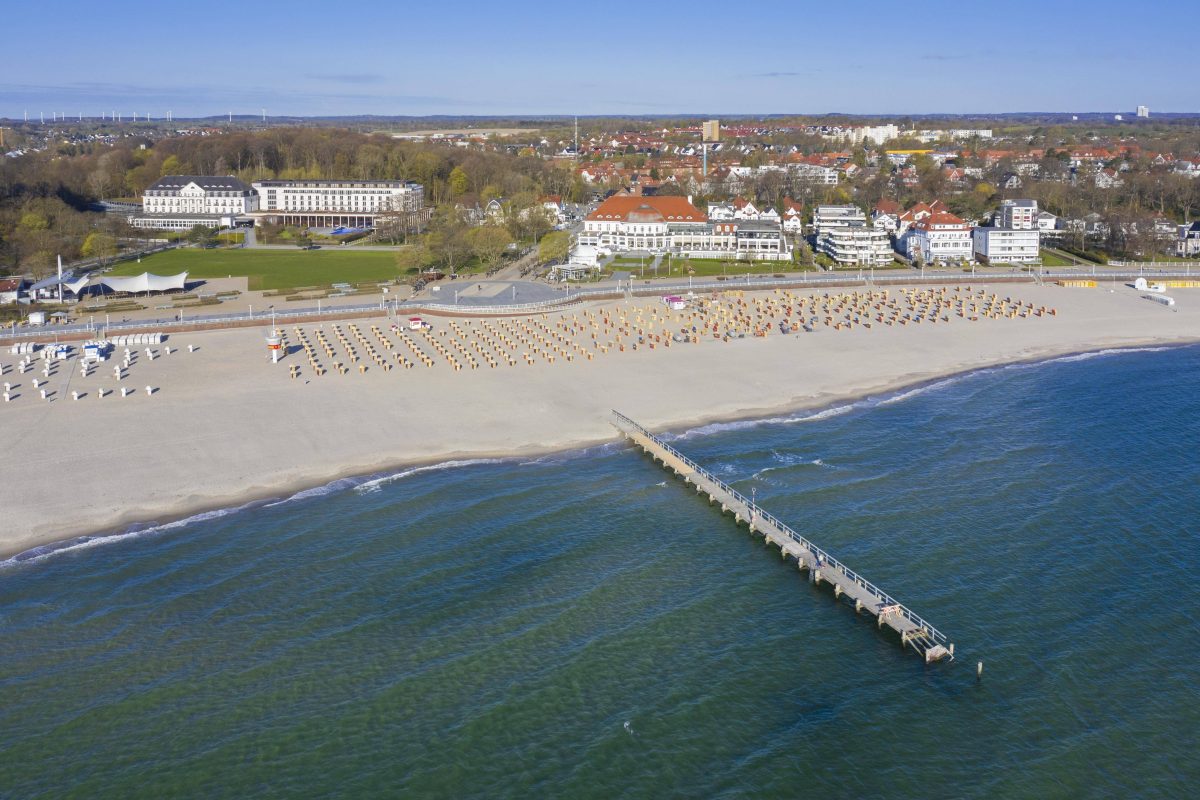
146 282
67 280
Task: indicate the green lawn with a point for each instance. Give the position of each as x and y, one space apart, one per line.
270 269
1053 260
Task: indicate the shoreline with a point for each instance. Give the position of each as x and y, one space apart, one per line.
180 514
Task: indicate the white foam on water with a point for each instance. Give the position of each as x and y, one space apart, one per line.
574 455
43 552
1114 351
890 399
374 484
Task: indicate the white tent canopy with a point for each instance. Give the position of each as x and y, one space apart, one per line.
145 282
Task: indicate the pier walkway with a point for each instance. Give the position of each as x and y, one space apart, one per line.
925 639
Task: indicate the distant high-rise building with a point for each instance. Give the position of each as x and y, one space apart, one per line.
710 131
1143 112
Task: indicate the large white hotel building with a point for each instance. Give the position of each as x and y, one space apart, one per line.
331 203
180 202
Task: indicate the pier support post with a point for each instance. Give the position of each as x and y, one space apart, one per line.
837 591
952 649
857 606
815 577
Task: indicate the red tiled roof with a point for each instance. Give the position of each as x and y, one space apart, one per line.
668 208
940 218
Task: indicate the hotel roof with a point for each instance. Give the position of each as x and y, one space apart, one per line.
660 208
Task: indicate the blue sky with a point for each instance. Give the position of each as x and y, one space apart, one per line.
520 57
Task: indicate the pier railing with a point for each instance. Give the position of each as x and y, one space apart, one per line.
822 555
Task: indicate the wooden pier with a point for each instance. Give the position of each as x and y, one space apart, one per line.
914 631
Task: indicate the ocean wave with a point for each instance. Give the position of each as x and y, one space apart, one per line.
374 484
574 455
815 462
340 485
1112 351
899 396
43 552
721 427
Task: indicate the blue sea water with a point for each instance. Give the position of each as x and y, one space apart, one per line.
584 625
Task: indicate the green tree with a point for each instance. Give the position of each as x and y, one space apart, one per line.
554 247
170 166
458 182
34 221
413 259
99 245
488 242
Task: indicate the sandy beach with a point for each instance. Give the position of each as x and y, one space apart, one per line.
224 426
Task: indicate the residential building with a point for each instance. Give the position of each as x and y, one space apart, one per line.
1143 112
1047 223
815 174
826 218
1189 240
939 238
1019 215
10 289
793 217
918 211
181 202
1108 178
886 216
876 134
332 203
856 244
1007 245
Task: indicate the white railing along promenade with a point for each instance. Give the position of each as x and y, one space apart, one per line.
823 556
811 280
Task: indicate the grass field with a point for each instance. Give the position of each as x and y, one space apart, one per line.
270 269
1050 259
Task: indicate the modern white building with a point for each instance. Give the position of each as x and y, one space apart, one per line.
1019 214
1143 112
332 203
876 134
815 174
181 202
1007 245
856 245
939 238
826 218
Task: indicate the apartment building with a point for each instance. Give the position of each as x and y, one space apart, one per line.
939 238
856 245
1019 215
1007 245
826 218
